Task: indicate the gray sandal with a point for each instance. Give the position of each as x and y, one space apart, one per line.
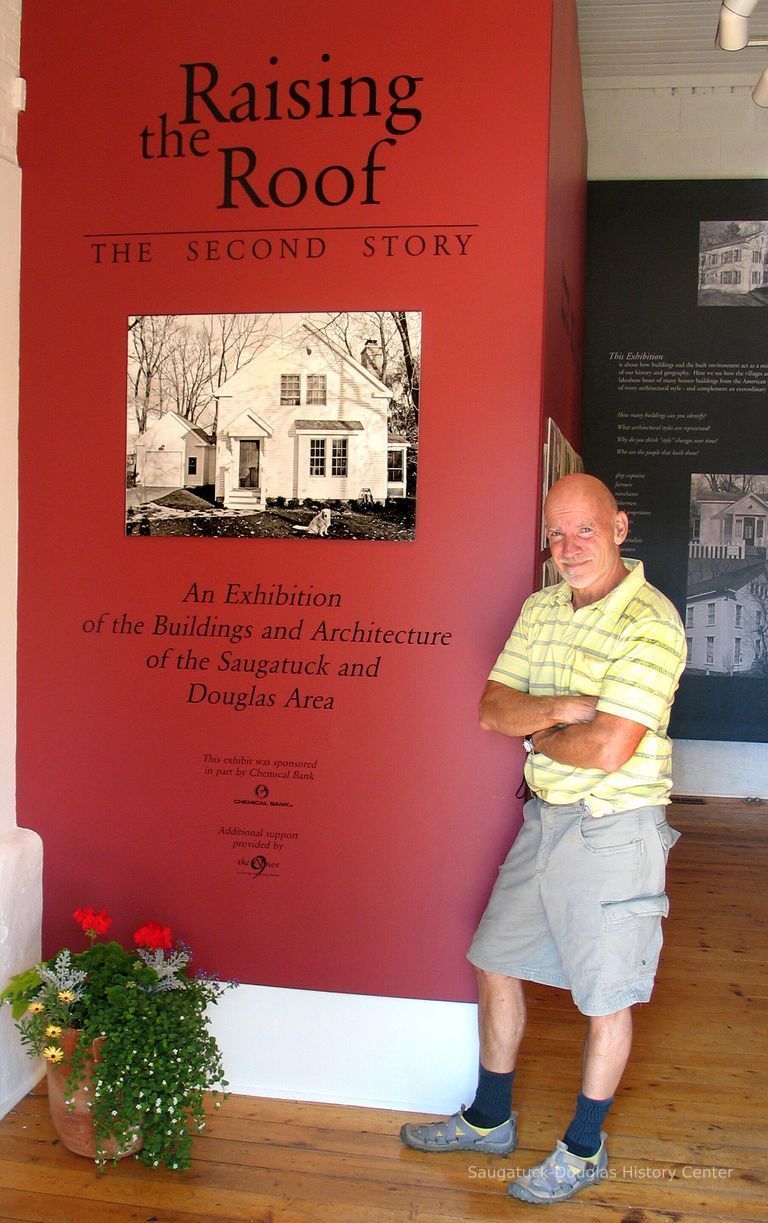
456 1134
560 1176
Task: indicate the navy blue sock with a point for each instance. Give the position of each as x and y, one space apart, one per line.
583 1134
493 1100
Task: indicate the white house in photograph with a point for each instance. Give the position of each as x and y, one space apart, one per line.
728 526
305 419
726 616
737 266
173 453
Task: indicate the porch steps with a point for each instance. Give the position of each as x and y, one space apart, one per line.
249 499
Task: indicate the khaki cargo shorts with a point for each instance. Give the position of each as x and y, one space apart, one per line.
578 904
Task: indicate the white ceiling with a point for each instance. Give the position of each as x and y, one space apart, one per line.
627 42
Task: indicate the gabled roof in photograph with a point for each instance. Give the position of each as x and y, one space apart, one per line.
727 582
249 421
726 498
738 504
738 241
310 332
183 425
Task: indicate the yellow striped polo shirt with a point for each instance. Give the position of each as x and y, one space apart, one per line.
628 650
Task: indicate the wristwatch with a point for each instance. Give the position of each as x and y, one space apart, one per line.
528 744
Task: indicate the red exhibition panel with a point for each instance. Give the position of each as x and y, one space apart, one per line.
278 260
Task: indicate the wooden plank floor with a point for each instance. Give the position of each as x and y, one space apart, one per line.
688 1132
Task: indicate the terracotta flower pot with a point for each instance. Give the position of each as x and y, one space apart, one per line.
74 1126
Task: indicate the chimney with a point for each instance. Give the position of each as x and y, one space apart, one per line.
371 357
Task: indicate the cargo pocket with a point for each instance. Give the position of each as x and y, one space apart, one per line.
668 836
632 937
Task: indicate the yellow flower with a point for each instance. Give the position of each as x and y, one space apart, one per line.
66 995
53 1030
53 1054
36 1008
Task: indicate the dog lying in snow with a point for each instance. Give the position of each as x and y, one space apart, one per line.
319 524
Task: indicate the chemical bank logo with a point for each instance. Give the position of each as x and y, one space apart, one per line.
262 791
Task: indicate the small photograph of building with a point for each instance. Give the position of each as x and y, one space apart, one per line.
279 426
726 612
172 453
733 263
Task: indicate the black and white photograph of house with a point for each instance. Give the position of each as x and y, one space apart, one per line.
559 459
281 426
733 263
726 611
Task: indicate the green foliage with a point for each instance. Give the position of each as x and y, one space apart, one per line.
21 990
159 1058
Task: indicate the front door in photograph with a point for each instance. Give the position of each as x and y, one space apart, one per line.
749 532
249 464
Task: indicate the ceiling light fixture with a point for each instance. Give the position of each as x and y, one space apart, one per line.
760 92
732 30
733 35
744 8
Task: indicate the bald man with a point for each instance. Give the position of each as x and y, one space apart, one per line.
586 680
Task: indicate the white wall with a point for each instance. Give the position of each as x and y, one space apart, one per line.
20 849
675 131
731 770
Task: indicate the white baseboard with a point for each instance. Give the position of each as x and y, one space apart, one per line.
720 770
399 1053
21 1087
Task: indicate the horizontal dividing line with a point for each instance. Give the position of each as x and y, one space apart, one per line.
300 229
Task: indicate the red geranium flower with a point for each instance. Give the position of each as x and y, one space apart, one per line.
93 922
154 936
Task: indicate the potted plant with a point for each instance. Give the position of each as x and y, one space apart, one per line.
125 1034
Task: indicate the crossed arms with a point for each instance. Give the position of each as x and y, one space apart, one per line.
568 729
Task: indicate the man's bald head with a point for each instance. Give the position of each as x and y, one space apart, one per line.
582 487
585 530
